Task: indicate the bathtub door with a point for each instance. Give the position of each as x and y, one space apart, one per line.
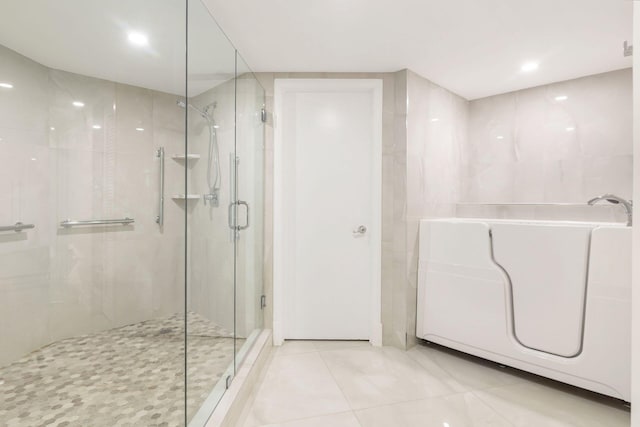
327 212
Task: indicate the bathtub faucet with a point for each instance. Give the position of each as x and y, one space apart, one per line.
612 198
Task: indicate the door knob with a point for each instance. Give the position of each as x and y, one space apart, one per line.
360 230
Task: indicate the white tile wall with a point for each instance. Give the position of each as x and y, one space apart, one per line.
436 135
520 149
56 283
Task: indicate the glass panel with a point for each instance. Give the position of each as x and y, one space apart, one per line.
91 315
249 248
210 141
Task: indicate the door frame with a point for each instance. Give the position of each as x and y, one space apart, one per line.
281 240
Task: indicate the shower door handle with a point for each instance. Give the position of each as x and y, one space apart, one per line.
233 221
246 224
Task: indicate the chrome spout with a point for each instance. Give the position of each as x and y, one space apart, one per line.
612 198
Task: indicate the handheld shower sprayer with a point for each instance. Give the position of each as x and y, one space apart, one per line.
213 158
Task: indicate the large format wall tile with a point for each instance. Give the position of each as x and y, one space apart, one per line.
528 146
435 139
59 161
24 109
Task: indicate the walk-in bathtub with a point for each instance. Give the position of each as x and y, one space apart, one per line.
548 297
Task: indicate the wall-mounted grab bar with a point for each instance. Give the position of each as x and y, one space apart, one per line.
160 216
17 227
124 221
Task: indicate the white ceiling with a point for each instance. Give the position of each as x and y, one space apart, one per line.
89 37
473 47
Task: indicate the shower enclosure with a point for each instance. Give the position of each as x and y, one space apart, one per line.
131 208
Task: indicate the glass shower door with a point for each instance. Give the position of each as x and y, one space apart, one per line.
209 167
92 298
250 101
225 185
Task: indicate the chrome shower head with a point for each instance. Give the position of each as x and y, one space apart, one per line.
203 113
208 107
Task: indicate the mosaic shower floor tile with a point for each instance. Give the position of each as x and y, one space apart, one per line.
129 376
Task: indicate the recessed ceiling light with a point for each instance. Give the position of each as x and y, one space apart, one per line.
216 126
570 129
561 98
499 137
96 127
6 85
435 119
138 39
527 67
34 159
52 128
140 129
78 104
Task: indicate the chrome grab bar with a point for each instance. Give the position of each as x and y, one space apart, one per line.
17 227
124 221
160 216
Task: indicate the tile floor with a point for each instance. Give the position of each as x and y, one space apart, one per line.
351 384
129 376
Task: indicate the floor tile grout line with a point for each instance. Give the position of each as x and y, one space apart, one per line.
520 377
279 354
257 388
313 416
328 414
354 345
444 396
418 365
276 348
442 368
339 388
490 406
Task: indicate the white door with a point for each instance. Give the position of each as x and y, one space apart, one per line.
328 134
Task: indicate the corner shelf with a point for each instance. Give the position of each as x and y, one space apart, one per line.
185 197
185 157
